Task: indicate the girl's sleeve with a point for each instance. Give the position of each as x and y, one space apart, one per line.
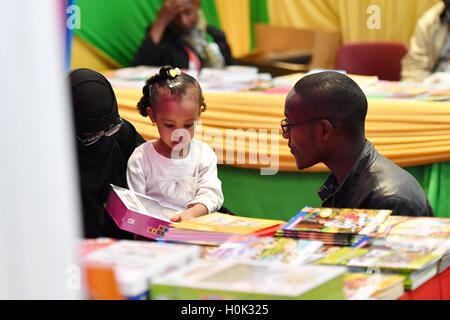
136 172
209 186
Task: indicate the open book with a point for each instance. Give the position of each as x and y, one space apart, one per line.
138 213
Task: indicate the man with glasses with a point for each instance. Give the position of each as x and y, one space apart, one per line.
325 114
104 143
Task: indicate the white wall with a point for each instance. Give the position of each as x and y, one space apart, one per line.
39 209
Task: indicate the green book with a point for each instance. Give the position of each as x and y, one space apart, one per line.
416 267
250 280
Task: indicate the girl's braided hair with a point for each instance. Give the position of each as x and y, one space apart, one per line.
174 82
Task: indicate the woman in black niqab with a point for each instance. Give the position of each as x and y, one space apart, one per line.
103 162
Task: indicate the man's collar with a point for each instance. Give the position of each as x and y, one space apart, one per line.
445 16
364 160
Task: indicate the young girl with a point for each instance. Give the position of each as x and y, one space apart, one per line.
179 172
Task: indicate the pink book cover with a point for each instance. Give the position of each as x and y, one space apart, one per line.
137 213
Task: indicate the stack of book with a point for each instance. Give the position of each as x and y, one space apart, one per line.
225 279
134 263
415 226
366 286
336 227
416 234
216 228
270 249
416 267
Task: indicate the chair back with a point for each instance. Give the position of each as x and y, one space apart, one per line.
382 59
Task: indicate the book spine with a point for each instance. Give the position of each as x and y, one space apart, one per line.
295 220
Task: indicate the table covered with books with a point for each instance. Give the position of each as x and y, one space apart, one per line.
268 250
319 254
409 124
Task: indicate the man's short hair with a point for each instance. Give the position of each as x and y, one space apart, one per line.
335 96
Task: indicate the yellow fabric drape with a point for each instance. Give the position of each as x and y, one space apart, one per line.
234 18
304 14
85 55
407 132
397 17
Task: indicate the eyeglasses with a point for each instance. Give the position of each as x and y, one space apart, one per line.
87 141
285 124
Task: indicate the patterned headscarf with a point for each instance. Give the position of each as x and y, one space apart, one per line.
209 53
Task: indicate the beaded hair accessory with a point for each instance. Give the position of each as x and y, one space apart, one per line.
173 73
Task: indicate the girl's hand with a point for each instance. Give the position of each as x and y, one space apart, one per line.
194 211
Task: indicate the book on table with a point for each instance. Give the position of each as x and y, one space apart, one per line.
417 267
415 226
138 213
367 286
277 250
434 245
334 226
223 279
215 228
135 263
423 234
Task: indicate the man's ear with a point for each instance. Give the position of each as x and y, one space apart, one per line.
327 130
151 114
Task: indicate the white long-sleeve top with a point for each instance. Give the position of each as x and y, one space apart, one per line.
177 183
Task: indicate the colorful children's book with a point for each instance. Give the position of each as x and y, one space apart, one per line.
138 213
333 226
333 220
419 234
415 266
384 259
223 279
135 263
90 245
278 250
331 239
221 222
415 226
434 245
216 228
367 286
186 236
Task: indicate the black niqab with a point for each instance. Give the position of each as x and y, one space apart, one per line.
102 163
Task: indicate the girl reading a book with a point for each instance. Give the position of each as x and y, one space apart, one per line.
176 170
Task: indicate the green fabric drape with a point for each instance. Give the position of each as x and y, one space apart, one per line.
436 182
258 14
281 196
117 28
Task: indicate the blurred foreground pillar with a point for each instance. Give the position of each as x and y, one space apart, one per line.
39 205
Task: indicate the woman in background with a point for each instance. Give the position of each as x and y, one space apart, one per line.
104 144
181 37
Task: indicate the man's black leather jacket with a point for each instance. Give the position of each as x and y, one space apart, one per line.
375 182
